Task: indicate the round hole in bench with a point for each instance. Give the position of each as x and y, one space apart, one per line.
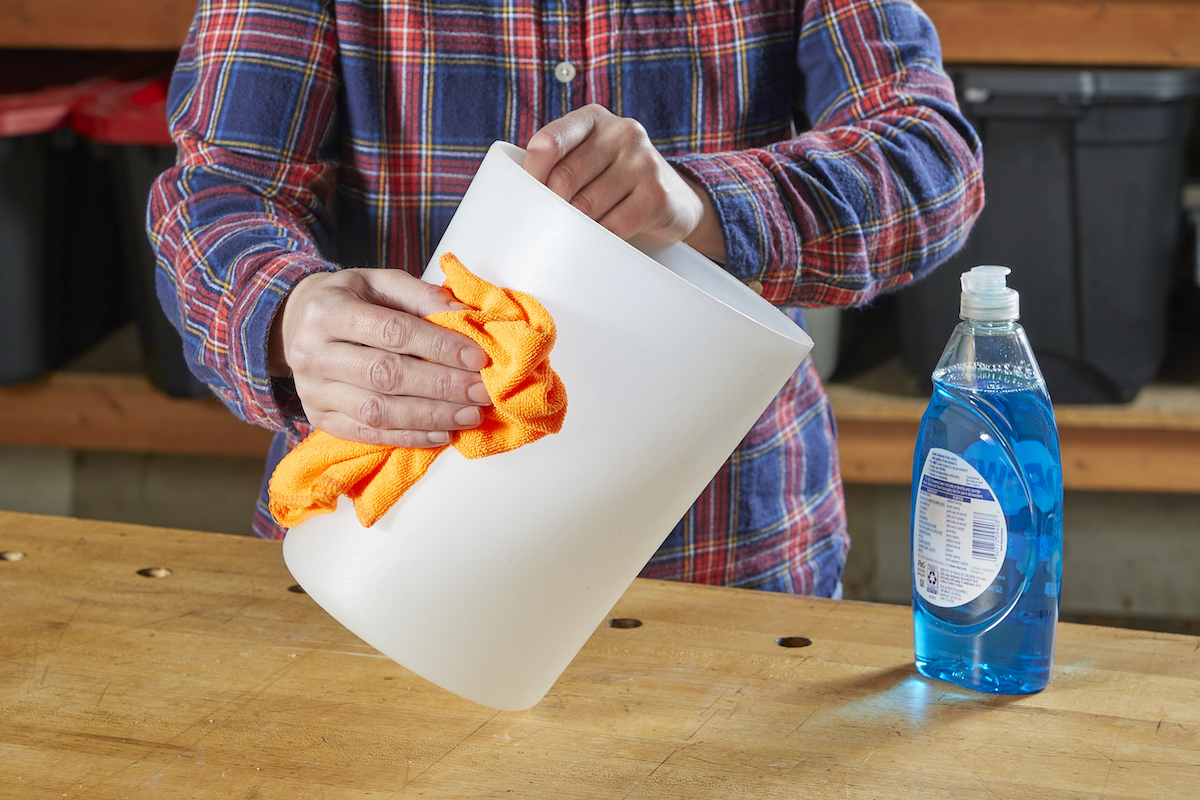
11 555
154 572
624 622
793 641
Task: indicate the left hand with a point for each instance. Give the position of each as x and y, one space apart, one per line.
606 166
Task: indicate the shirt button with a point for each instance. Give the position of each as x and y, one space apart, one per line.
756 286
565 72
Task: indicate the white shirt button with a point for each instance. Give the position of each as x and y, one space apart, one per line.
565 72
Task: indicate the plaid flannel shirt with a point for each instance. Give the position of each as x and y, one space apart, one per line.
315 134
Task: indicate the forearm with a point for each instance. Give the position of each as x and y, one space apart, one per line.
847 214
884 187
225 264
245 213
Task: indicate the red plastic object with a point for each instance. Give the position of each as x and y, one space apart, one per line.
25 113
134 112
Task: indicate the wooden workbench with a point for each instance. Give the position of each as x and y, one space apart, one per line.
216 681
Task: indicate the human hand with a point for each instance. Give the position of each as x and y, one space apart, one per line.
368 368
606 166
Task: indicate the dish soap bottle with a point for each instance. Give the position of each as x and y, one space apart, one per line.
987 504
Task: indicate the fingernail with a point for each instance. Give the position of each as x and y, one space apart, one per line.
457 306
479 394
468 417
473 358
438 437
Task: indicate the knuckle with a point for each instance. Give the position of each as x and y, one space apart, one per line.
444 349
445 387
320 307
585 204
370 412
361 432
547 143
409 438
301 357
432 294
393 331
384 374
632 128
562 178
426 419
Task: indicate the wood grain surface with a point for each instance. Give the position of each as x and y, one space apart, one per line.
216 681
1160 33
96 24
1096 32
1149 445
123 413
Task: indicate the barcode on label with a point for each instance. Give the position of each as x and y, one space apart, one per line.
983 536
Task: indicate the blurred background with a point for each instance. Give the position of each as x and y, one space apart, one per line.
1092 150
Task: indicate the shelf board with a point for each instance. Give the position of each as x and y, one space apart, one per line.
1110 32
1135 33
1149 445
120 412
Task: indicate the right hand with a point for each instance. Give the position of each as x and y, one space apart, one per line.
368 368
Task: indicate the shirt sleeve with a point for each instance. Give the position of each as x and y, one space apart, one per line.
245 214
884 185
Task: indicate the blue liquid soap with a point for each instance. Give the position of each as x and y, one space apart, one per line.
987 505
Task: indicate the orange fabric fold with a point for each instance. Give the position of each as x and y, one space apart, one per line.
528 402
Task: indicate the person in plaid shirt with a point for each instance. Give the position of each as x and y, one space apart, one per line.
812 147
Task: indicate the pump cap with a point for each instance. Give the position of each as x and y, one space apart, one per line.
986 295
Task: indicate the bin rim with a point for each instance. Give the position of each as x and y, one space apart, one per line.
978 84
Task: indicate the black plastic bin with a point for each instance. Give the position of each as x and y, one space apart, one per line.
130 118
61 270
1084 172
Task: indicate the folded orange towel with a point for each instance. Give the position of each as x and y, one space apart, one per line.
528 402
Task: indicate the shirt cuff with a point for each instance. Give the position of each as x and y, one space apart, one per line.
263 399
735 183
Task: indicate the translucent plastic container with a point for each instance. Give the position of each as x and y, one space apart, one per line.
488 575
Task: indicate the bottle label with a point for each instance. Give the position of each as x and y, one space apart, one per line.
1042 473
960 533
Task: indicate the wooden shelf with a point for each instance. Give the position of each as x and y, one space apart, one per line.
95 24
1111 32
1150 445
102 411
1159 33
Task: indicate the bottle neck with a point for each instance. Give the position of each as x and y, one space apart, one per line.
990 326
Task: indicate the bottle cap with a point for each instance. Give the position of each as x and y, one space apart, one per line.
986 295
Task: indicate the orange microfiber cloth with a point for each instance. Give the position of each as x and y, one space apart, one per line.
528 402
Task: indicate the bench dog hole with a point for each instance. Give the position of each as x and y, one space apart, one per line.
154 572
793 641
11 555
624 622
